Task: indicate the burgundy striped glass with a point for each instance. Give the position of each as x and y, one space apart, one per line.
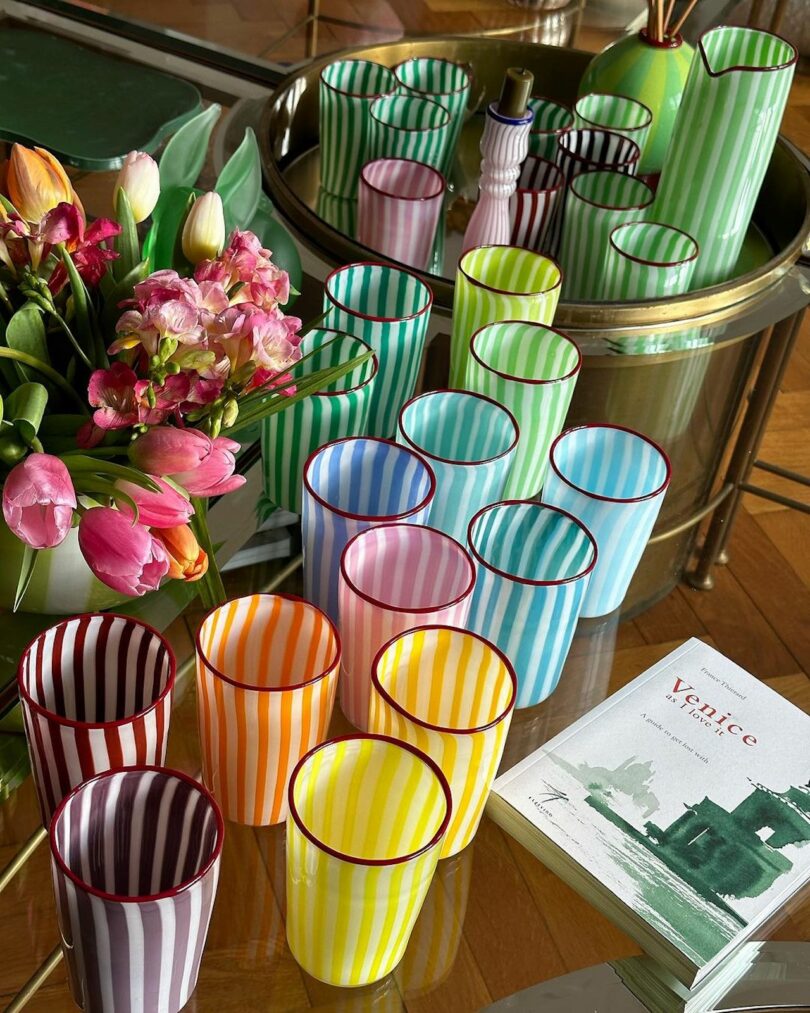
96 695
135 861
534 202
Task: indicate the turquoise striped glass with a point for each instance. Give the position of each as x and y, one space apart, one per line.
614 480
341 409
531 370
389 309
533 567
469 441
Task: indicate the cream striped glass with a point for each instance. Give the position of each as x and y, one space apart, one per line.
367 817
451 694
267 667
531 370
647 260
499 283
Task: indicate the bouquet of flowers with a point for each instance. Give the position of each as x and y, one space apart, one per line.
122 378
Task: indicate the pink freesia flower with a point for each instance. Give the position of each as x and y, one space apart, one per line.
123 555
202 466
246 263
65 224
164 509
39 500
245 334
122 400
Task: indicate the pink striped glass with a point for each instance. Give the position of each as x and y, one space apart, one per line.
135 859
393 578
535 201
400 201
96 694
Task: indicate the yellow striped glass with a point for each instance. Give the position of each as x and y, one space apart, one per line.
364 831
451 694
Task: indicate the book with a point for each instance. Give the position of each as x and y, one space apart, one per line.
679 807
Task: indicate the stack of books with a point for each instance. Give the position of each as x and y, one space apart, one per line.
680 808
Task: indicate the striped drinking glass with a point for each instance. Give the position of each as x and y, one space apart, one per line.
469 440
135 857
499 283
443 81
451 694
535 202
406 126
267 668
649 261
531 370
622 115
367 819
533 564
614 480
347 90
389 309
340 409
551 119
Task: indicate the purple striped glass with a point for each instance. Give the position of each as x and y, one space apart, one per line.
135 859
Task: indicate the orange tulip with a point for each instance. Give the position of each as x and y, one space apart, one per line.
187 561
37 182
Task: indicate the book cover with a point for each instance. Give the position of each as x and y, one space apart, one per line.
684 798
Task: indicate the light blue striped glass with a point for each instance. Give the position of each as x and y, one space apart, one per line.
533 564
469 441
351 485
614 480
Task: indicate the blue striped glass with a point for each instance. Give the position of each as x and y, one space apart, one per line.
351 485
614 480
533 564
469 441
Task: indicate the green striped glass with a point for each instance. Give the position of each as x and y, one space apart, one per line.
550 120
339 410
499 283
347 90
389 309
596 203
622 115
722 143
445 82
406 126
531 370
646 260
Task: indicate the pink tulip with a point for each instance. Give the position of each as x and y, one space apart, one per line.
39 500
123 555
165 509
204 467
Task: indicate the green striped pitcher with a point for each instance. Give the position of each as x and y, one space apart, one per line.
531 370
722 143
499 283
646 260
347 90
339 410
445 82
406 126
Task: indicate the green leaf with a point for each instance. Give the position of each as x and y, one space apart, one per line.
277 239
45 370
126 242
211 589
25 408
78 464
120 291
29 559
184 155
85 342
167 220
26 333
240 184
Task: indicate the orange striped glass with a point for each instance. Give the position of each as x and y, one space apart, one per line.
267 668
451 694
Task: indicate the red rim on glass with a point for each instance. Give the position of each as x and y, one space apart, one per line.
654 263
748 70
593 125
630 159
366 316
431 170
168 772
599 496
359 94
529 580
410 130
375 679
522 379
610 207
428 761
507 291
433 59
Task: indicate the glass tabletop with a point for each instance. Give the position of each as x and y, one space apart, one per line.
495 921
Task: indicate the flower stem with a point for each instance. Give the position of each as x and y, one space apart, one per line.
212 590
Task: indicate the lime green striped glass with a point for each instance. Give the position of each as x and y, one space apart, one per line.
445 82
531 370
596 203
550 120
347 90
622 115
339 410
406 126
499 283
647 260
389 309
722 143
